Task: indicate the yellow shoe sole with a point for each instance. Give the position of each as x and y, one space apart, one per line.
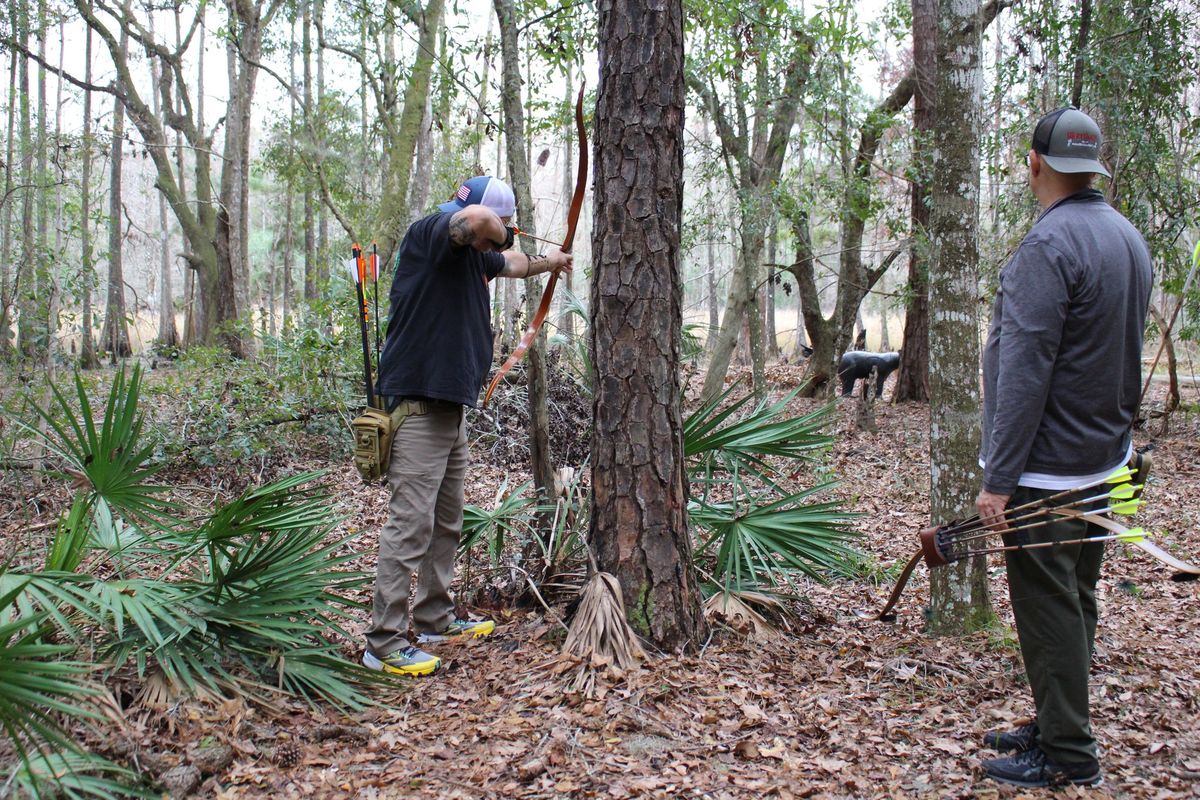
483 629
428 667
424 668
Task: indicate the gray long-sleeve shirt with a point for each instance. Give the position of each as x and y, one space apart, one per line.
1062 364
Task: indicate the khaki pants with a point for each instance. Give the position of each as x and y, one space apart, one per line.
425 517
1053 593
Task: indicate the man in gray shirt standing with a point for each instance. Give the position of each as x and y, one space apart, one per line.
1061 375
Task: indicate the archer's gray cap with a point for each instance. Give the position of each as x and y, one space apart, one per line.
1069 141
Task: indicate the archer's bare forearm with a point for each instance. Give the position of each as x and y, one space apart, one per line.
524 265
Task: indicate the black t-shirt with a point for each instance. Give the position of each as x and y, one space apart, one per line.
439 337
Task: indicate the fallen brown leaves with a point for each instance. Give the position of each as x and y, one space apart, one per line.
835 707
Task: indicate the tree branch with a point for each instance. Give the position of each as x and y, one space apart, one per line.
90 87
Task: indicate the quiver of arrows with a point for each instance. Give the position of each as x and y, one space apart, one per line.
945 544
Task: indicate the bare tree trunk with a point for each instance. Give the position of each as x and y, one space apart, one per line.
189 272
289 213
1081 44
912 380
958 593
29 335
540 459
323 253
168 334
639 493
45 276
566 321
402 144
115 335
772 337
7 279
311 269
418 190
232 172
59 223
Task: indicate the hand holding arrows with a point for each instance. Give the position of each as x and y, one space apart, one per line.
945 544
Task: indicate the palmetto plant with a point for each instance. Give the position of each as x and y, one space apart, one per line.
40 686
752 529
755 530
244 599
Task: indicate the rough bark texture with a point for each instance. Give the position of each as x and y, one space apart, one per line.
639 496
912 381
540 462
958 593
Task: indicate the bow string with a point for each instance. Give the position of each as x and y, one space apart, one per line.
543 308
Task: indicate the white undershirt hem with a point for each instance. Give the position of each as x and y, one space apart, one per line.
1042 480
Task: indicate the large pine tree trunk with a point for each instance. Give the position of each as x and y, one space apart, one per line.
639 494
958 593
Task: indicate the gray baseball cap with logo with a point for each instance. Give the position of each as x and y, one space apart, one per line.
1069 141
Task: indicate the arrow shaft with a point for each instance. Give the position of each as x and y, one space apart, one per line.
1050 514
1039 545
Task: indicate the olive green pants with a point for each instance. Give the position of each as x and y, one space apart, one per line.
425 519
1053 592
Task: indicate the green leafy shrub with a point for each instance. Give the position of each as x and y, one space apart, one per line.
247 599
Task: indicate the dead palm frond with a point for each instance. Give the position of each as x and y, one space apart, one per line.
599 635
735 609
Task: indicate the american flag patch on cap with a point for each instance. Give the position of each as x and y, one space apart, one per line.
463 193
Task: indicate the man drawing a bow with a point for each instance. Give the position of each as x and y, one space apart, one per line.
437 353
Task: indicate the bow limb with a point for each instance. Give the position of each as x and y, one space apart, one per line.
543 308
1183 570
885 614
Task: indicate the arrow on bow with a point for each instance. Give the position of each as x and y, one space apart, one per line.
945 544
543 308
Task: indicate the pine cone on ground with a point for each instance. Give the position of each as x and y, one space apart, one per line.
288 753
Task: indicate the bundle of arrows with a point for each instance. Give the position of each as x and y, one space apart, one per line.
1118 494
364 267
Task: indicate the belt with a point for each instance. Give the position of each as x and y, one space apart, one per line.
414 407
